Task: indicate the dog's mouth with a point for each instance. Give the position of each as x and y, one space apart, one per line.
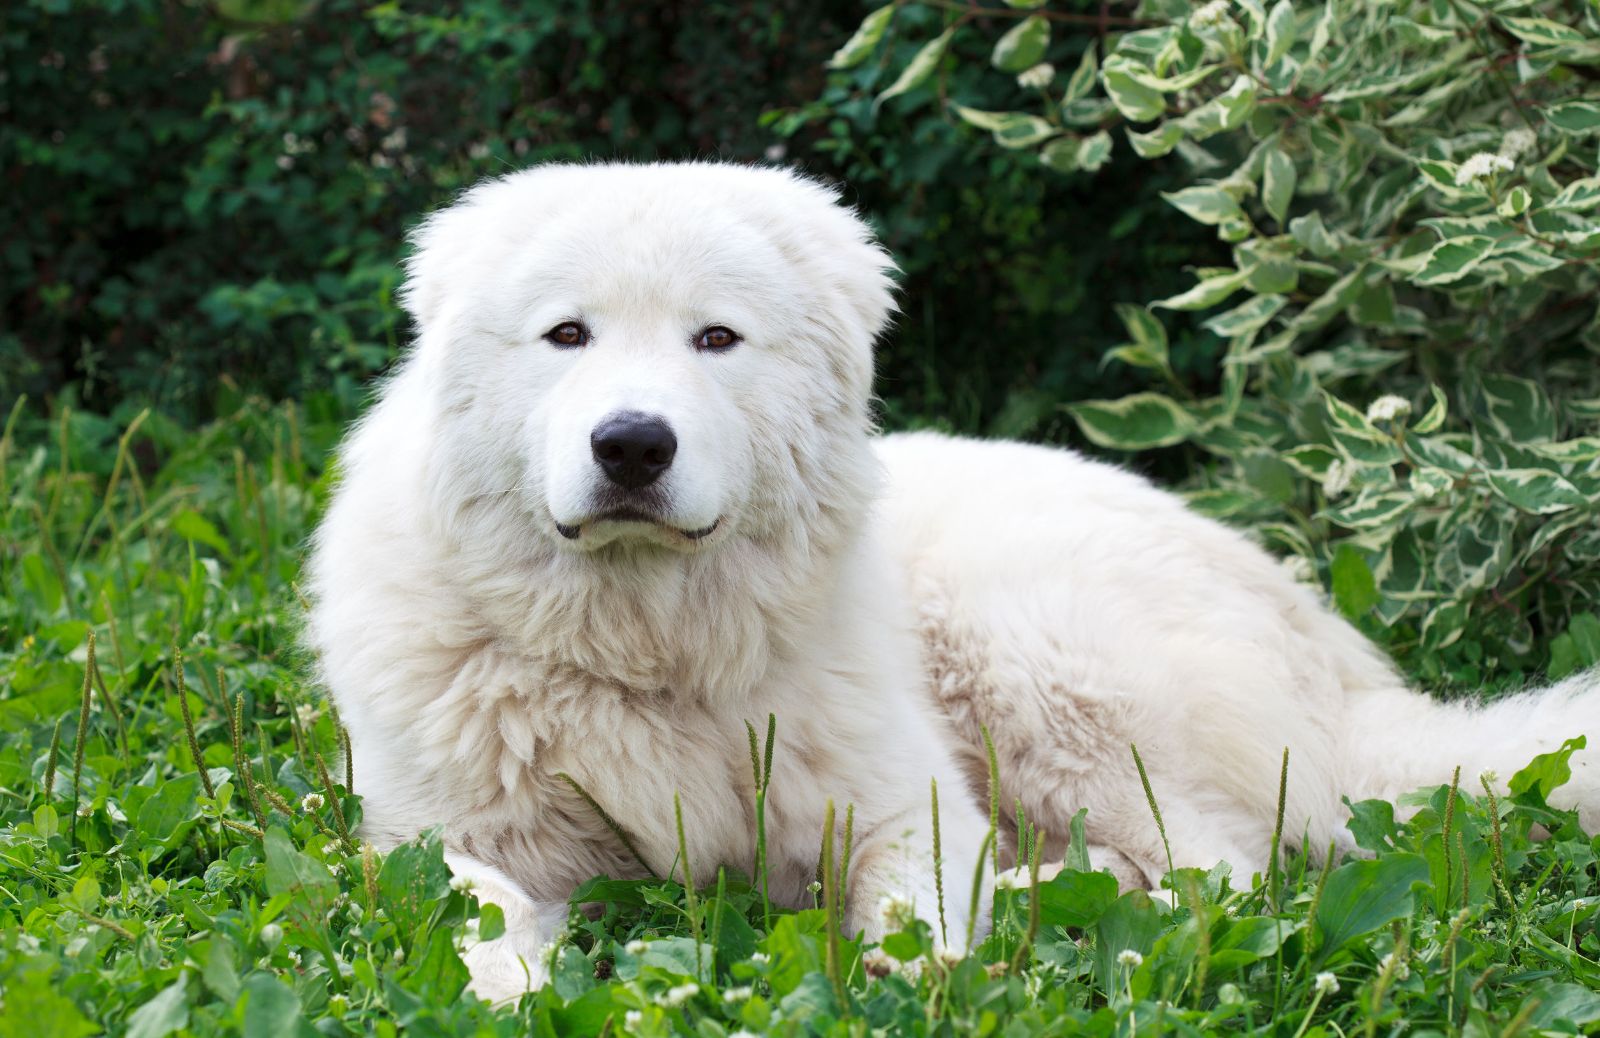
634 515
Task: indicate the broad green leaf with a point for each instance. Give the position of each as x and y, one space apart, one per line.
1436 413
1280 32
866 39
1576 197
1249 316
1548 771
1364 895
1094 151
1541 30
1577 648
1208 292
1355 590
1515 203
1132 98
1133 423
1574 117
1452 260
192 526
271 1008
1208 205
1555 1005
1010 129
1076 899
1585 448
1157 142
1536 490
1083 77
1277 184
1517 408
1022 46
167 1012
921 67
1372 510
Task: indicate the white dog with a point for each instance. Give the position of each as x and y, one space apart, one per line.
623 496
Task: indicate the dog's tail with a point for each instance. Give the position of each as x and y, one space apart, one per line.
1403 740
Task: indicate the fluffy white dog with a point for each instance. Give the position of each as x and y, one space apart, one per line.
623 496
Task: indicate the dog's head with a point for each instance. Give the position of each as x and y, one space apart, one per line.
666 355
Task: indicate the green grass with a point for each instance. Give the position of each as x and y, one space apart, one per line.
145 892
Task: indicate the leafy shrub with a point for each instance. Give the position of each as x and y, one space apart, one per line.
1406 202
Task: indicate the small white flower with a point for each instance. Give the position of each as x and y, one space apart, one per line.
896 911
814 887
461 884
736 995
285 161
1400 969
1481 166
1326 983
635 947
632 1019
1130 958
760 958
1337 479
1212 13
1038 77
271 934
307 714
311 802
479 150
1387 408
677 996
1518 142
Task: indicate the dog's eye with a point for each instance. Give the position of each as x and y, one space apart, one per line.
718 338
567 334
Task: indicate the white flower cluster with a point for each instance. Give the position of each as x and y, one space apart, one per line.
1387 408
311 802
1130 958
1518 142
461 884
1213 13
1038 77
1326 983
733 996
1482 166
635 947
677 996
1399 969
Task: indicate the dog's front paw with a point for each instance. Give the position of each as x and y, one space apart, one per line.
503 972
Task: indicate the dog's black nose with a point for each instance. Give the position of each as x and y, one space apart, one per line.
634 449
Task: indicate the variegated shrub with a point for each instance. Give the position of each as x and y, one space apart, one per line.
1409 406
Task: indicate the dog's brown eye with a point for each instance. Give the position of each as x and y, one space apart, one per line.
568 333
717 338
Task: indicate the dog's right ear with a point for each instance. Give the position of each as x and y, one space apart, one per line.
442 246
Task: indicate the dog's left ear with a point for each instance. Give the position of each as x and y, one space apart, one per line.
859 268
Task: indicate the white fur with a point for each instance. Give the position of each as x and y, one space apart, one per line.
478 655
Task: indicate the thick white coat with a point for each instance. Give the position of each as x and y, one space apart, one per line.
884 598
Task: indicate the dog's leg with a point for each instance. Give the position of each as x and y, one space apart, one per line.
895 864
514 963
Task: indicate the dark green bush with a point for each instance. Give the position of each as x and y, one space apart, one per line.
200 196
